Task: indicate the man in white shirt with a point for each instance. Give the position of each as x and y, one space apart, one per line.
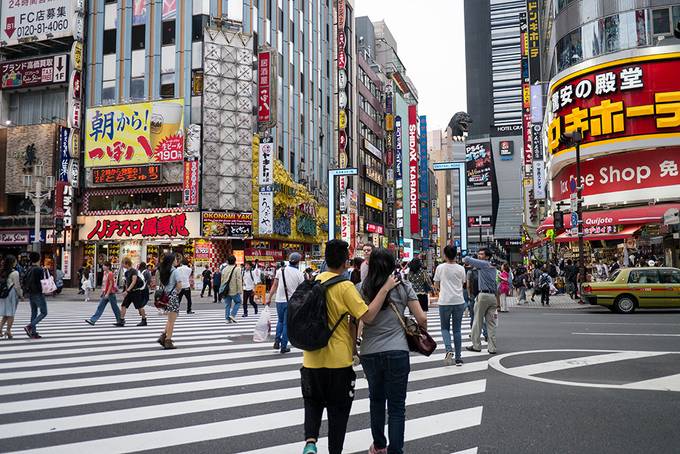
285 283
184 277
251 277
448 280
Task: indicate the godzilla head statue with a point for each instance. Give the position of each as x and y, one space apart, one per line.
460 126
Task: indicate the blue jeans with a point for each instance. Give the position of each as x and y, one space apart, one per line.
111 299
37 301
387 375
232 302
446 314
471 308
282 324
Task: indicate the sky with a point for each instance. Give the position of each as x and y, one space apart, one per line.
430 37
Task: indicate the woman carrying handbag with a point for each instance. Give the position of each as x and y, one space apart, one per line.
385 353
420 280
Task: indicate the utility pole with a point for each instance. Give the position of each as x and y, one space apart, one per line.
574 139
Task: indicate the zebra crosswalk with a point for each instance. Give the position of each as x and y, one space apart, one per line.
106 389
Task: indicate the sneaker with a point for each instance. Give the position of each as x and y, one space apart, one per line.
142 323
228 320
29 331
374 450
472 349
276 346
285 350
310 448
232 319
459 362
89 322
190 312
36 335
161 338
448 358
244 315
169 345
492 353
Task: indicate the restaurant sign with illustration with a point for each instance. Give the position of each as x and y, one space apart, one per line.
133 134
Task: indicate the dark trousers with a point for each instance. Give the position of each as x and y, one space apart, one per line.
186 292
332 389
545 296
423 299
216 296
387 376
248 295
206 285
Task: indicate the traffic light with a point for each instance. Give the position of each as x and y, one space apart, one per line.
558 220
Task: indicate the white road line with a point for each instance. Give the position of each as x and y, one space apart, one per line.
669 383
428 426
205 385
82 421
225 429
628 334
467 451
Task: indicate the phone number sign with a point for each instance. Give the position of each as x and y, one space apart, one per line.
35 20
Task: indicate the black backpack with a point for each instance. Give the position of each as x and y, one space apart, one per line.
308 315
4 289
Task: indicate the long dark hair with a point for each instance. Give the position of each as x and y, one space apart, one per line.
415 266
382 265
165 268
7 266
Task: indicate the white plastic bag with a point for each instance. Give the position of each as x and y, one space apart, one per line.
263 326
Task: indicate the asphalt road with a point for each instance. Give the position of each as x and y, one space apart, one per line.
106 390
522 415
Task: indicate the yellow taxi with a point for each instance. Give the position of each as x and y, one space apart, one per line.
635 288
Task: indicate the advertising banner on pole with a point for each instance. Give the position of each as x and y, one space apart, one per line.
413 157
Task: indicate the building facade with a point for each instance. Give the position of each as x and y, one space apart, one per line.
612 70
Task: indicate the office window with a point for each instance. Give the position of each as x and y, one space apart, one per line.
168 33
661 21
108 92
109 42
197 24
168 85
138 37
137 88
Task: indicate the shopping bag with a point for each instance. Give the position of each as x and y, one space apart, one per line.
47 283
263 326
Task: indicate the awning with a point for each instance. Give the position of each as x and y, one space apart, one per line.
526 247
641 215
626 232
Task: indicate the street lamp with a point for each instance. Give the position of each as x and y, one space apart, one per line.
574 138
33 187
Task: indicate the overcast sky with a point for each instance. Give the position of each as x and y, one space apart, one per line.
430 37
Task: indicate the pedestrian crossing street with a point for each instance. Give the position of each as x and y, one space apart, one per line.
105 389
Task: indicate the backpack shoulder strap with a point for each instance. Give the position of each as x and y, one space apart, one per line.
285 287
334 280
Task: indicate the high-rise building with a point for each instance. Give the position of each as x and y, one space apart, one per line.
494 100
612 70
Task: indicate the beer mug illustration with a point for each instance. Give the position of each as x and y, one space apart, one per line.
165 122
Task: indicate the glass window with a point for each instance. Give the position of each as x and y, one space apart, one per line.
138 36
109 43
642 31
168 33
137 88
168 85
569 50
611 33
661 21
643 277
676 17
198 22
108 91
669 276
135 201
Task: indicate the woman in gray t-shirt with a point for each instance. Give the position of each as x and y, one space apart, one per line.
385 354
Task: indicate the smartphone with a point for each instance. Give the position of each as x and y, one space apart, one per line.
397 275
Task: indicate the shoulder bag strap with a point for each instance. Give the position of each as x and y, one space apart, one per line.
285 287
399 316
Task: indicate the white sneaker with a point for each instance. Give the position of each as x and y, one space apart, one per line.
448 359
232 319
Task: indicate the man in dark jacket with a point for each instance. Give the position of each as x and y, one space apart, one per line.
35 296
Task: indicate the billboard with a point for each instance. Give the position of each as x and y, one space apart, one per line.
139 133
620 105
34 72
26 21
478 164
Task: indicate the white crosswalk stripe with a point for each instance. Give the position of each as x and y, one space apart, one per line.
107 389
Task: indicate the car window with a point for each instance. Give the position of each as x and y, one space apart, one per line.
643 277
669 276
613 277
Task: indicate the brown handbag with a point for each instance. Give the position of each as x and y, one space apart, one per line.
419 340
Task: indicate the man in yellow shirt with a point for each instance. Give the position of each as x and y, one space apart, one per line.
327 375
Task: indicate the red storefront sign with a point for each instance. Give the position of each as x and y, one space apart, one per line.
642 215
342 56
131 174
264 87
413 157
619 101
631 171
373 228
171 225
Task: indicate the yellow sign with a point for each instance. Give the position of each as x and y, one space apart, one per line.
77 56
342 119
389 122
342 160
140 133
374 202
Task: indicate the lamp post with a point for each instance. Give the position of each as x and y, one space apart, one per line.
33 186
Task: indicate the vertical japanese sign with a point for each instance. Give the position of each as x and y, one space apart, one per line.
192 162
266 210
424 185
64 155
266 86
413 157
527 154
266 161
398 172
343 100
539 179
532 40
139 133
